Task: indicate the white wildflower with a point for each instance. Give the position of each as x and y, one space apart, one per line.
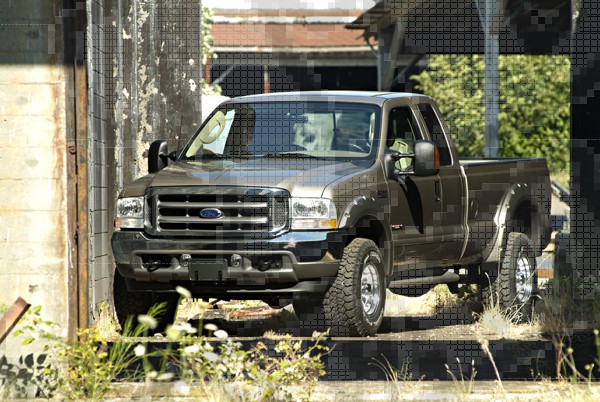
172 332
147 321
164 377
211 327
182 388
139 350
221 334
183 292
211 357
191 350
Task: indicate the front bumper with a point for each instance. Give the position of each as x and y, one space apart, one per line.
296 262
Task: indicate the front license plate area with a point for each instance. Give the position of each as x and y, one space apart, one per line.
208 270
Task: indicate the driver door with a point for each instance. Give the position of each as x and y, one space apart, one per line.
415 207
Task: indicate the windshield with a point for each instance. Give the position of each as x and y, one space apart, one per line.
287 129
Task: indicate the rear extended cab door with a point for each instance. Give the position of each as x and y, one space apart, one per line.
415 207
452 192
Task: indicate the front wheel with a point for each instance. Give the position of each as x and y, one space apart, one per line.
129 303
354 303
516 285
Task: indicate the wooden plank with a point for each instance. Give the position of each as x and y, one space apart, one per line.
12 317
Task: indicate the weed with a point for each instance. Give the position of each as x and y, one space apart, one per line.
400 379
290 365
267 375
496 320
463 386
107 324
80 369
485 345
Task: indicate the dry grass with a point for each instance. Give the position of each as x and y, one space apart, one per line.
191 309
107 325
435 301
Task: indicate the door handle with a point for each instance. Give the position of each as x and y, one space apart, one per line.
436 187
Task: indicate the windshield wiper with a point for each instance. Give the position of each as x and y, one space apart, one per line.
290 155
217 156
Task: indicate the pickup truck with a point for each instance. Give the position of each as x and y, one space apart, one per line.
327 199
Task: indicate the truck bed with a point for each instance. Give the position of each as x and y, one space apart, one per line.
493 184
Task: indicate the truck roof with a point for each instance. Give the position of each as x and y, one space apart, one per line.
373 97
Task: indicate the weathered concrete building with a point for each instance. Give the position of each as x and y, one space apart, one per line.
36 236
84 87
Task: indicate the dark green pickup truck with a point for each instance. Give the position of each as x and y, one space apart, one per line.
328 199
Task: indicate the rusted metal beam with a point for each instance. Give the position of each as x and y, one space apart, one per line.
12 317
81 134
74 23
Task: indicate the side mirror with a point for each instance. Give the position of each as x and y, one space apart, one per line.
427 158
158 156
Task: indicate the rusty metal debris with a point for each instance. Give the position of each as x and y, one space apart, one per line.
12 317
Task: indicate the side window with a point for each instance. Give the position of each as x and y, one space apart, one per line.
436 132
401 135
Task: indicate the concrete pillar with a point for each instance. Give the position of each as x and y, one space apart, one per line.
159 73
584 245
34 234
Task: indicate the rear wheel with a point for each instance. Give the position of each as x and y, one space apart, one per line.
129 303
516 285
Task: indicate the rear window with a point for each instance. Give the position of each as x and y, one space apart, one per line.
436 132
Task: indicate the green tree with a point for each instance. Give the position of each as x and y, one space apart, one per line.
534 112
208 52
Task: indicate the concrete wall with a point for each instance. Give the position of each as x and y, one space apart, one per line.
144 80
101 49
34 240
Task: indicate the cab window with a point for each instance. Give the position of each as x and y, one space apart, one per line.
401 135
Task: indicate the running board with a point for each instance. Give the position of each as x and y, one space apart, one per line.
448 277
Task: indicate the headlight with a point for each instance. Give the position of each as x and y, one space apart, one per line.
313 213
130 213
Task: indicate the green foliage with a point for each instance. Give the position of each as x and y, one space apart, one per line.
86 368
208 52
534 115
291 365
207 38
74 370
267 375
90 365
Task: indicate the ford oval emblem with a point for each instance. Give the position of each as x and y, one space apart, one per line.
211 213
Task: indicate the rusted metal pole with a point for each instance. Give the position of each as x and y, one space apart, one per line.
12 317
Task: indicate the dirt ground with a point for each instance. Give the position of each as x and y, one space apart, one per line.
437 315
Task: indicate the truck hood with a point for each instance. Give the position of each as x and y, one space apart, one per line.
301 177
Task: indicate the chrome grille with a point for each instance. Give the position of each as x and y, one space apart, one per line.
240 210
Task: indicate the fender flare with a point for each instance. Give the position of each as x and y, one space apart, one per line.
516 195
367 208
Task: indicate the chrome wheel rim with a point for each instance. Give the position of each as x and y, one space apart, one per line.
370 288
523 279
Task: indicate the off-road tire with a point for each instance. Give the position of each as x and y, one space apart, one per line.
343 307
129 303
517 271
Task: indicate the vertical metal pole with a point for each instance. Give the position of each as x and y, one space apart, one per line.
491 94
490 15
382 41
